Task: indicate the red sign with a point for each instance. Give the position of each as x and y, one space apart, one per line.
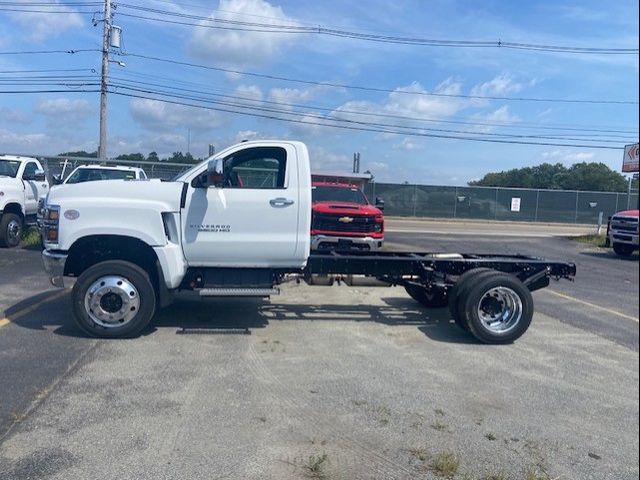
630 160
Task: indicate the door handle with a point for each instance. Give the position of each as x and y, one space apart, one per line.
280 202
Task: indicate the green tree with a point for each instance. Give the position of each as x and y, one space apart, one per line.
581 176
153 157
179 157
135 157
80 153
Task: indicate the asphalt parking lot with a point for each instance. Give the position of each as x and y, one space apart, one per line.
326 382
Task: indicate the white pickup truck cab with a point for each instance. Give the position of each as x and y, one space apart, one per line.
22 183
238 224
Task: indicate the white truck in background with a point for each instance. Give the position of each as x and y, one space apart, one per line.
22 183
238 224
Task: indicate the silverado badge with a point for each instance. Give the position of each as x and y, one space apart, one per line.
345 219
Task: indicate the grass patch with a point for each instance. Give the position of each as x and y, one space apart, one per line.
591 239
316 466
30 237
439 426
536 475
496 476
490 436
420 453
445 464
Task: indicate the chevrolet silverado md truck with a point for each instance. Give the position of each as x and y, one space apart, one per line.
223 228
22 182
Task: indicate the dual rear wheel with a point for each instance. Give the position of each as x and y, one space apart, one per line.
495 307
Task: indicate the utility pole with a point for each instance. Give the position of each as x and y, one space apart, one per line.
102 148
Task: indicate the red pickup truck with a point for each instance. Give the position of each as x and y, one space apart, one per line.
342 218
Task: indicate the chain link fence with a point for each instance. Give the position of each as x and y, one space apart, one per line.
493 203
432 201
63 166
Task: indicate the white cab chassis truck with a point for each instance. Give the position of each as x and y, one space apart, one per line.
238 225
22 183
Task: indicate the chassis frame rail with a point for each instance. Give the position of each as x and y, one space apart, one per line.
429 267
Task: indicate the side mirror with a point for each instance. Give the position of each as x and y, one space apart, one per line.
379 203
56 180
215 172
39 176
214 176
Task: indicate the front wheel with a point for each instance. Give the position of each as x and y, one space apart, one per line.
623 249
10 230
498 308
113 299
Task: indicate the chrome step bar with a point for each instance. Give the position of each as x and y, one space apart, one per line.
239 292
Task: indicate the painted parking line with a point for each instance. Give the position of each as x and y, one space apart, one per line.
592 305
21 313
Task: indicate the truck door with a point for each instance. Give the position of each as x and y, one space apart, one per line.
33 188
250 218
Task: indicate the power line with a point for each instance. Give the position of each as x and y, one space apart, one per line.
92 70
296 28
257 104
374 89
351 127
46 52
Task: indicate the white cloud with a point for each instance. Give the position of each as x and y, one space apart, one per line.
39 27
567 156
323 159
12 116
160 116
64 113
242 48
408 144
501 85
295 95
250 92
22 143
64 108
501 115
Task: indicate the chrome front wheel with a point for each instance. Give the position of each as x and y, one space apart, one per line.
112 301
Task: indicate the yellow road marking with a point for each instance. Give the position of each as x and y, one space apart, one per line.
592 305
22 313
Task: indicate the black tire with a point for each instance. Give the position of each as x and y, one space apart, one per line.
11 227
623 249
434 298
478 295
465 281
132 274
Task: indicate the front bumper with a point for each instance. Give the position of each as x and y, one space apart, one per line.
628 238
54 266
319 242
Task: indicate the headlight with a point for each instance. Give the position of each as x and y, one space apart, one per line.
51 223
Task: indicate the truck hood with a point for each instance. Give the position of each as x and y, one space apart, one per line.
11 190
345 208
151 194
628 213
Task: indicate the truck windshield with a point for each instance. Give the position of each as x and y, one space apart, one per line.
93 174
338 194
9 168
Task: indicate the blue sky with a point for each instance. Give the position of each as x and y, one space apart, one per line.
55 122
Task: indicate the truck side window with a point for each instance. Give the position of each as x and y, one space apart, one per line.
29 171
262 167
